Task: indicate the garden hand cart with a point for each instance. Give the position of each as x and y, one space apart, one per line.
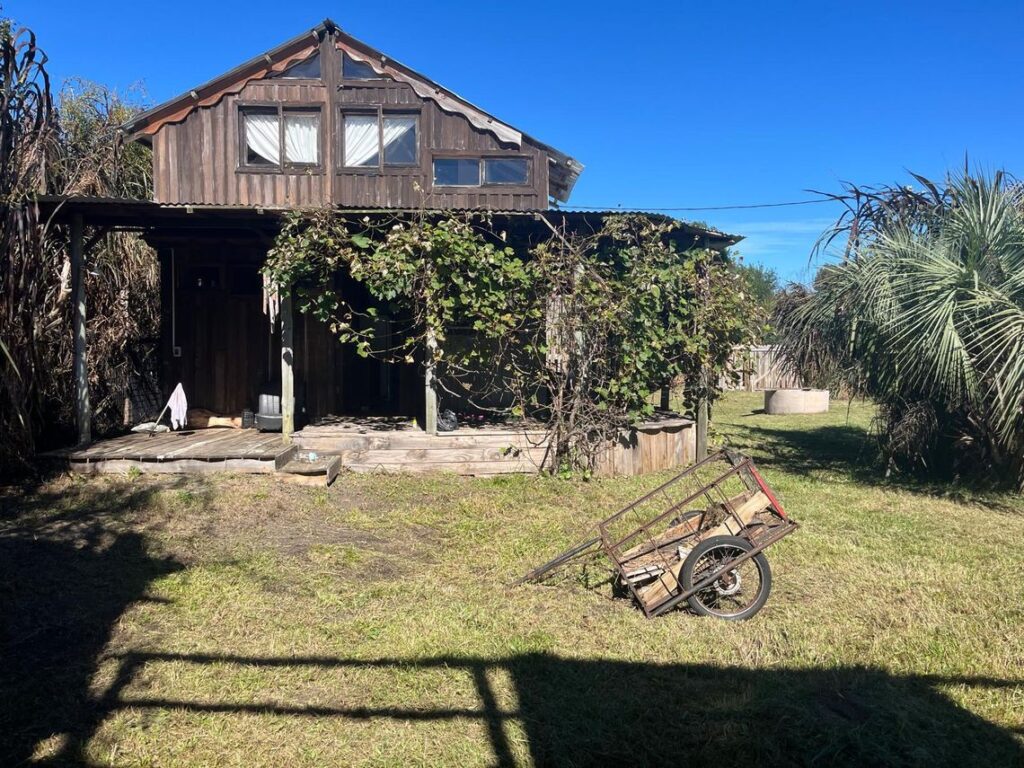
699 539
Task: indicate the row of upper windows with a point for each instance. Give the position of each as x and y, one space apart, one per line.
289 137
309 69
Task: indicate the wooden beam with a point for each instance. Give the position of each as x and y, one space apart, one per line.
702 429
83 412
429 391
287 366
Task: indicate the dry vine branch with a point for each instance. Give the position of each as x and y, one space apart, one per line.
75 150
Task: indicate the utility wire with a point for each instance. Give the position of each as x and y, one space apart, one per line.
704 208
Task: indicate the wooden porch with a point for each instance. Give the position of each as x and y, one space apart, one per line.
372 444
185 451
368 444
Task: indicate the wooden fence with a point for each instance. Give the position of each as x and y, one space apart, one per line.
760 367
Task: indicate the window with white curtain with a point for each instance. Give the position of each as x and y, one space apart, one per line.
362 141
262 136
399 136
266 130
301 137
370 138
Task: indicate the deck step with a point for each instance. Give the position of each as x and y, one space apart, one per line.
502 454
409 442
475 468
304 470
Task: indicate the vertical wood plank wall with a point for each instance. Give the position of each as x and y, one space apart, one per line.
649 448
196 161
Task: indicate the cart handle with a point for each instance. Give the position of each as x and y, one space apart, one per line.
768 491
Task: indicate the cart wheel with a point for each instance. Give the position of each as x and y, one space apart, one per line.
740 592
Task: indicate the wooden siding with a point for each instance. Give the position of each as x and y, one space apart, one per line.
196 161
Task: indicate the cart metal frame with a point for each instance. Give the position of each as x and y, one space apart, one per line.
774 525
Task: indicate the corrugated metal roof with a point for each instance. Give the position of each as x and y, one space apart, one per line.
111 208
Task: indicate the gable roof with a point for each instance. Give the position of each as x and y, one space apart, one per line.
564 170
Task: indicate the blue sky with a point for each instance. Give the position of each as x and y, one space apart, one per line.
668 105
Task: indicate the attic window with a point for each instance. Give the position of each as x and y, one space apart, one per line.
353 69
266 129
307 69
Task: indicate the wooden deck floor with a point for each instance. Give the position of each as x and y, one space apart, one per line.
185 451
374 445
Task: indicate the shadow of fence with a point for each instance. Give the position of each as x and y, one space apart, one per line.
602 712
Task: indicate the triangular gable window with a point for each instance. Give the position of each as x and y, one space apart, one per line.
353 69
307 69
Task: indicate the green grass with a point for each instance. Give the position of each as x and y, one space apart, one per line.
237 621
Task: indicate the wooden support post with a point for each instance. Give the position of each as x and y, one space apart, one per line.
83 411
702 429
429 392
287 366
666 397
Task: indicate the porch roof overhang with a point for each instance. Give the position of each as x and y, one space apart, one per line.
162 219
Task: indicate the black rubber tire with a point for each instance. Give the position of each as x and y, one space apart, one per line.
759 560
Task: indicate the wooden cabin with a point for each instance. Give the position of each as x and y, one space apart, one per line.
324 119
321 120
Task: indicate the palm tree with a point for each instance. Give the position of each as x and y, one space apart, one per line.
925 314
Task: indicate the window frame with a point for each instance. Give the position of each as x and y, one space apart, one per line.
529 171
482 158
281 108
381 113
446 156
303 79
346 80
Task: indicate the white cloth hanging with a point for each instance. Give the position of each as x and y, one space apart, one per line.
302 138
271 300
178 406
361 140
262 137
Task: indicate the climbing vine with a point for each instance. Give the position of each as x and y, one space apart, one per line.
576 332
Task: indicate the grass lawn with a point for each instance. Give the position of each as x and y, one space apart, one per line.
235 621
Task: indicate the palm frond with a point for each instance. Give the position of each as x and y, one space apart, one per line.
926 315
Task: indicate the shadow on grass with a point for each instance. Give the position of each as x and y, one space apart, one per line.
833 448
69 567
850 450
603 712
